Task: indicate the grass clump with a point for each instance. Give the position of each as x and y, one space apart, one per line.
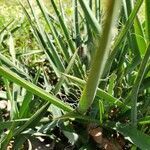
76 75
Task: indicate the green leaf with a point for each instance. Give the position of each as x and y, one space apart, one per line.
136 86
67 70
101 111
12 48
24 109
137 137
140 37
19 70
145 120
34 89
111 85
90 16
122 34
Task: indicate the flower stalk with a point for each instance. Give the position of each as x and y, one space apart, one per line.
101 55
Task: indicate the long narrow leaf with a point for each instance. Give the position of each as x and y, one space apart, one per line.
147 19
137 137
90 17
34 89
122 35
136 86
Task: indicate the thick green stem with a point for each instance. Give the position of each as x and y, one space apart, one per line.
100 58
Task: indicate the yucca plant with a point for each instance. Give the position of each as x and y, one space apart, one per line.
105 78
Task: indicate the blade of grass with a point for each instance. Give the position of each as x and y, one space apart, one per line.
90 17
144 121
121 36
101 112
76 115
4 60
55 55
5 28
24 109
40 36
47 42
43 45
140 37
78 66
62 43
12 48
14 110
51 28
137 137
136 86
147 19
76 24
67 70
133 31
64 28
6 139
8 124
33 89
33 120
